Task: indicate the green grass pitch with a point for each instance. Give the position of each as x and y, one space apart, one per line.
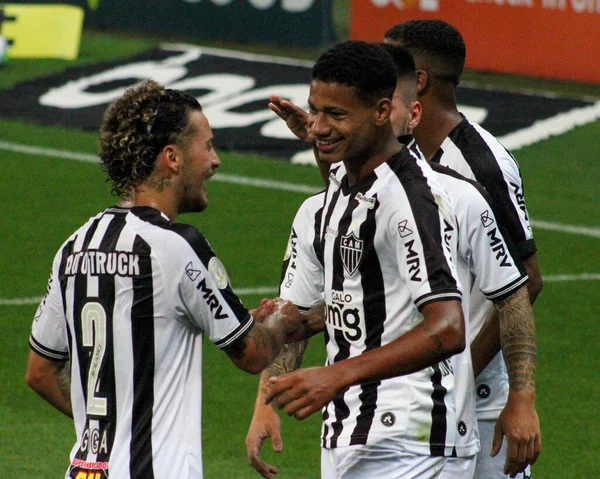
44 199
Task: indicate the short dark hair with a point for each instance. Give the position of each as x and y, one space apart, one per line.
436 40
366 67
137 126
403 59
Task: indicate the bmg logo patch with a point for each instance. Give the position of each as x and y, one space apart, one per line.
483 391
388 419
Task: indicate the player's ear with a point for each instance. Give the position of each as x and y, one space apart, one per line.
422 82
170 157
416 110
383 110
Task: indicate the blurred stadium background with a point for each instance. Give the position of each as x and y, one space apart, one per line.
51 185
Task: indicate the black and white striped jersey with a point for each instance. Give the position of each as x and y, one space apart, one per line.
387 247
483 254
128 301
302 270
476 154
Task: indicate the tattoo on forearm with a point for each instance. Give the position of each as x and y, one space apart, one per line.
517 337
63 380
236 350
289 358
262 338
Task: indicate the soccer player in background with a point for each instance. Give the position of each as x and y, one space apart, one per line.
116 343
448 138
393 315
484 255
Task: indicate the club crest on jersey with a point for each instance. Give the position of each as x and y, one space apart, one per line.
351 252
403 229
486 220
218 272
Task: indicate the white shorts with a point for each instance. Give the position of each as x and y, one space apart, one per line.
383 460
459 468
489 467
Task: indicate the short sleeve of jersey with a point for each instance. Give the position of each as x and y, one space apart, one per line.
49 329
522 237
505 187
426 244
302 280
482 241
206 293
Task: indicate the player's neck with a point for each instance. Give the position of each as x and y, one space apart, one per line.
163 201
358 170
437 122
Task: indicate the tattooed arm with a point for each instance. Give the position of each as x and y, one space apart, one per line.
265 420
262 343
284 324
518 420
517 338
51 380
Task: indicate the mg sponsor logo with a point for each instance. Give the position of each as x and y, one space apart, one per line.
351 249
346 320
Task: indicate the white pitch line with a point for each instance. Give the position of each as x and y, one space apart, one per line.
559 278
222 177
579 230
266 290
261 183
20 301
554 126
272 290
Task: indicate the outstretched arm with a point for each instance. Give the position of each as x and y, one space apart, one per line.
262 344
51 380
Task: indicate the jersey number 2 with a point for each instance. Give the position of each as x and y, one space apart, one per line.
93 325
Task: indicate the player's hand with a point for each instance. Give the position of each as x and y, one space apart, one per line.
295 117
520 424
265 423
304 391
283 310
292 317
265 308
